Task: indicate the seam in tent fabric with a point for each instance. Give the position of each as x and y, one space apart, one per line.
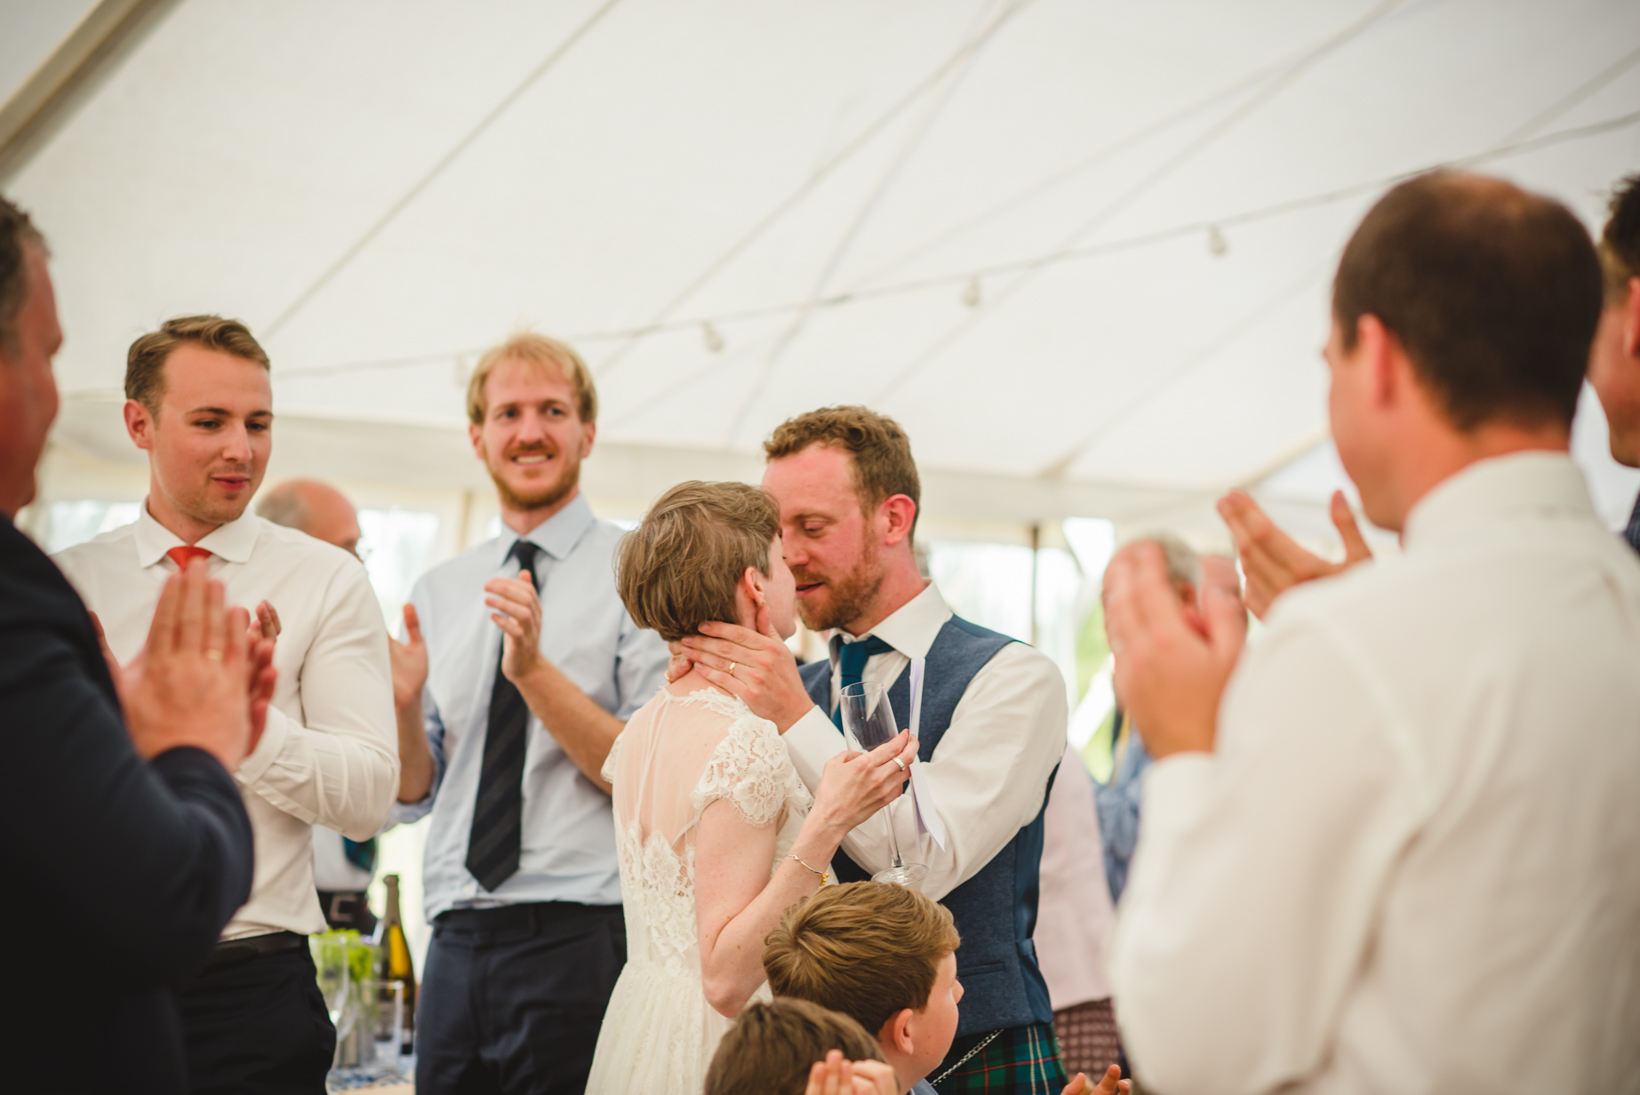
919 131
818 175
1173 163
1072 254
439 167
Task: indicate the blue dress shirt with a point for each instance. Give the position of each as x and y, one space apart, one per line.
568 849
1118 805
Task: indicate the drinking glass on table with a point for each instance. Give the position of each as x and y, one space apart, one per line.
869 720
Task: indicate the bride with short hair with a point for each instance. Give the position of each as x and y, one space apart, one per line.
715 833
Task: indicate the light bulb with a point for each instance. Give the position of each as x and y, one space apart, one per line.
1216 242
971 294
714 341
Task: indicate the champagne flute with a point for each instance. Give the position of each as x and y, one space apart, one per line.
869 720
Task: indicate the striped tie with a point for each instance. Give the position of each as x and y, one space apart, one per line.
498 815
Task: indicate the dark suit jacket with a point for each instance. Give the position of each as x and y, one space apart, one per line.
117 874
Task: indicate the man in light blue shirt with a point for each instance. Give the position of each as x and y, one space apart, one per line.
533 666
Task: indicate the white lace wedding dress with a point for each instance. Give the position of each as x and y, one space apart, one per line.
676 756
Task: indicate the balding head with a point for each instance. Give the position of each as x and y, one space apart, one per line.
316 508
1184 572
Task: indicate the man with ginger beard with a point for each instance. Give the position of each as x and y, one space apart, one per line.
533 666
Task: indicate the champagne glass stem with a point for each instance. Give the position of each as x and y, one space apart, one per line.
893 840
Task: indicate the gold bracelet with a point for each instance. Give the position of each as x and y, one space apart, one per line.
825 879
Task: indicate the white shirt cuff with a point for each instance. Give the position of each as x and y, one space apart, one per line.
811 741
1175 790
257 764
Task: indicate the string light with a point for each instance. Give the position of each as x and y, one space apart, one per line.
971 279
1215 241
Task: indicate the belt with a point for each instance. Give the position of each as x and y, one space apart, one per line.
235 952
525 917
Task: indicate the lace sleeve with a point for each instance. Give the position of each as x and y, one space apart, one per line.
751 769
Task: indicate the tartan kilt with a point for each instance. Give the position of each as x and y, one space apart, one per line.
1018 1061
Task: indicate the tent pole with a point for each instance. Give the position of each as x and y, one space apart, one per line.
1036 566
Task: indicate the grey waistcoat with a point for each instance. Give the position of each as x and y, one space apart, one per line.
995 910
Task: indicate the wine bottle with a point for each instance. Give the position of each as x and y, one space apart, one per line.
397 1013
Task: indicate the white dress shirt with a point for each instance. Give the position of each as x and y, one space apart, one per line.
568 851
1412 863
329 755
1074 914
989 772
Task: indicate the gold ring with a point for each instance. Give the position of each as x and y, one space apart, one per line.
732 669
214 655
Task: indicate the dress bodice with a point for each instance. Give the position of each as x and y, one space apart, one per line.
677 756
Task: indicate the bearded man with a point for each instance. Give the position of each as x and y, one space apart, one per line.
531 666
991 725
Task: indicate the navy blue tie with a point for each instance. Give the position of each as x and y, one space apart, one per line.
496 839
1632 534
851 664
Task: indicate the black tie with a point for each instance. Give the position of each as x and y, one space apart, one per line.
498 815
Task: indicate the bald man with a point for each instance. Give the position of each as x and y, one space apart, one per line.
342 868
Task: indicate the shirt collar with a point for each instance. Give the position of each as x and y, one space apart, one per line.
232 541
911 628
558 534
1522 484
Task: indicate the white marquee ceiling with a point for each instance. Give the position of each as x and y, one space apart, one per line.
866 201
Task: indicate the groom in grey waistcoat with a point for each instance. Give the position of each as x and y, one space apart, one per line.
991 726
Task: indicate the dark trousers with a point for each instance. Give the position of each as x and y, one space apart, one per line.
512 998
258 1027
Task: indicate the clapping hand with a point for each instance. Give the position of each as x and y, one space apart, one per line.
201 680
518 614
1272 560
409 661
1111 1084
756 665
1170 669
836 1076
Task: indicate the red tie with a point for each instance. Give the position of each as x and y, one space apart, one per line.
182 556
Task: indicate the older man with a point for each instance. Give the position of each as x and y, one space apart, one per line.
123 841
342 867
199 403
1400 850
992 722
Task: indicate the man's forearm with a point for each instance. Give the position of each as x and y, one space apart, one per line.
415 758
582 729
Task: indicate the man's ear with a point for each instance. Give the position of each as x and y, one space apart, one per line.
139 424
587 436
475 434
1380 353
897 512
896 1032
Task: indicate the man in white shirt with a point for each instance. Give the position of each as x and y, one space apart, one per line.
199 402
1614 365
992 723
1394 847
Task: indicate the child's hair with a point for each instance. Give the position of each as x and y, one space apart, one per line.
866 949
680 566
772 1047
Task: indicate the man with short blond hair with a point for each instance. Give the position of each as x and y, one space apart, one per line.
199 402
533 668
